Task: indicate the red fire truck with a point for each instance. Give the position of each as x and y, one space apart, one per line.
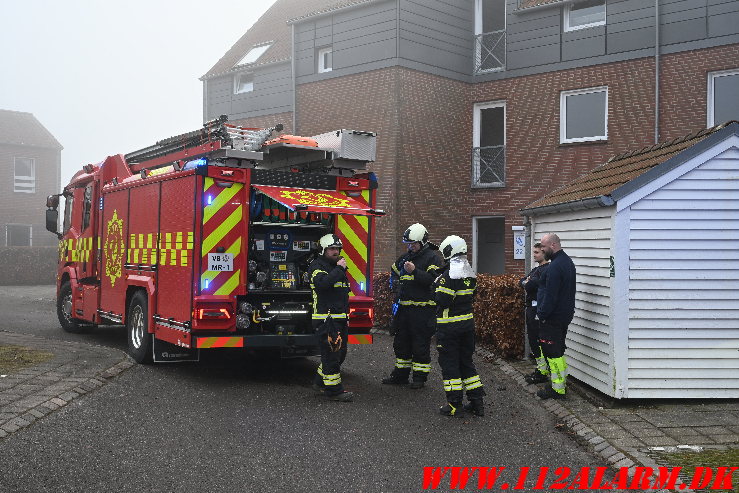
203 240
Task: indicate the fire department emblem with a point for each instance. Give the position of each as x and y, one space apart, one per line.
307 197
114 248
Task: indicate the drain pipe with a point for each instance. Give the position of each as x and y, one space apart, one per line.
656 71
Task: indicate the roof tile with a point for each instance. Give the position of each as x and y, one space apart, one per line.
621 169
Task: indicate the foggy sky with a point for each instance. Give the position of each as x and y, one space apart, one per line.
108 77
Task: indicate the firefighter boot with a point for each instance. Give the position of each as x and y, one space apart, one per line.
394 379
341 397
476 407
452 409
417 384
549 393
536 377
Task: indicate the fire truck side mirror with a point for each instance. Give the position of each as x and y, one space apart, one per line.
52 202
52 220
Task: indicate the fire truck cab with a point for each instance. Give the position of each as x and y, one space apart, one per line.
203 240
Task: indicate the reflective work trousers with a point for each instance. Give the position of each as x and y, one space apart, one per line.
412 343
456 344
328 375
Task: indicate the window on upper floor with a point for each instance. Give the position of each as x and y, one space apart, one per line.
723 96
583 115
488 141
581 15
253 54
18 235
243 82
325 59
490 35
25 175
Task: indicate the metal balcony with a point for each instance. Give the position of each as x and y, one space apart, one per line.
490 51
488 167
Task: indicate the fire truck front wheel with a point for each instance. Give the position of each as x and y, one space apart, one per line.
64 311
139 339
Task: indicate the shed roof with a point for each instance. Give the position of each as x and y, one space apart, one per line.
625 172
274 27
21 128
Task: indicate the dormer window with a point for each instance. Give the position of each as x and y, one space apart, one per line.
254 54
243 82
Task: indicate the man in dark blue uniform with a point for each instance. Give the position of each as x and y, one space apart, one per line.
555 310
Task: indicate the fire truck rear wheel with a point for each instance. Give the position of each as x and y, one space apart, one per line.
139 339
64 311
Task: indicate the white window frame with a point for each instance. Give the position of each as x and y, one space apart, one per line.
22 183
477 121
568 10
712 76
237 82
30 233
563 115
479 33
321 53
254 54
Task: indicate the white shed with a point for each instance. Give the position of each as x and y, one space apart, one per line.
654 235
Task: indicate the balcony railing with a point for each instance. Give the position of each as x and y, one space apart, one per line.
490 51
488 166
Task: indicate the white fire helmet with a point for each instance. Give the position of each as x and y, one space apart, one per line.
416 233
452 245
328 241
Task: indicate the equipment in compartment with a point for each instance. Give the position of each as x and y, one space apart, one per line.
279 257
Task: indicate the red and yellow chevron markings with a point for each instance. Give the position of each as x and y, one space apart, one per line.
219 342
360 338
223 212
354 234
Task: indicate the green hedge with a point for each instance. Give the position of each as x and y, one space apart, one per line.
498 309
28 265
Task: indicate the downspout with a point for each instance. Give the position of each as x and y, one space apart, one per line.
656 71
295 89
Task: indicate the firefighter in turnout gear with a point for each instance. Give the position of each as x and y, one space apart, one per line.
413 274
455 330
330 286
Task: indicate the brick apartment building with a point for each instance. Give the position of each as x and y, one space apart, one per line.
483 106
30 167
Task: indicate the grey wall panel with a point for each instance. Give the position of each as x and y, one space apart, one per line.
635 39
532 43
553 30
359 43
590 32
533 21
438 35
682 15
361 31
535 56
324 32
669 7
724 24
633 23
365 53
584 48
457 18
360 18
419 35
432 56
680 32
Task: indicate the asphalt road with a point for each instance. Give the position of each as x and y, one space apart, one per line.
242 423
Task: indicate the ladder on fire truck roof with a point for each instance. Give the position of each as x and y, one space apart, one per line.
230 145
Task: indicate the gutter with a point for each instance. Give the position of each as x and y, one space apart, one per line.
591 203
324 13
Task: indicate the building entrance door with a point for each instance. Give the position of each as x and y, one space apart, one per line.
488 238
